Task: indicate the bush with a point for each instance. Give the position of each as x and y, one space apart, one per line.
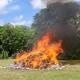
4 55
13 38
74 55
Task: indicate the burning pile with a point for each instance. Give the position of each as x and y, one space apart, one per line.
43 55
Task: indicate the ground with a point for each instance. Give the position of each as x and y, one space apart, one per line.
70 72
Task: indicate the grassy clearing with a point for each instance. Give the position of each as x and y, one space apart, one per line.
70 72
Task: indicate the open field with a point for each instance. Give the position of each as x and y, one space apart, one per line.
70 72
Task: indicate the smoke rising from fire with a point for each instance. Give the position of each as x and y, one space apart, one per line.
57 18
47 2
53 1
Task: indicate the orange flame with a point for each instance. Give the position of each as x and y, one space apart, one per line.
43 54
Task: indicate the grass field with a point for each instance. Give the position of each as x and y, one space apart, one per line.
70 72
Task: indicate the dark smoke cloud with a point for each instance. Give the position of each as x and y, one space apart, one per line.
56 20
47 2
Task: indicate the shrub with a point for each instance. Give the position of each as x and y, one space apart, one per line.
4 55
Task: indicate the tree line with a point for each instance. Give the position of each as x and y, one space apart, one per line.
15 38
63 19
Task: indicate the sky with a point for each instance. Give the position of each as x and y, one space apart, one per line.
19 11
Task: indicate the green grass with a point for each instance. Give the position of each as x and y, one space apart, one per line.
70 72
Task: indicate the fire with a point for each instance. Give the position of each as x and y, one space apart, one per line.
43 55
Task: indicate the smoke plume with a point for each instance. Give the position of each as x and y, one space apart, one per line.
58 18
47 2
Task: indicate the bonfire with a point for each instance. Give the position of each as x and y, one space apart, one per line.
43 54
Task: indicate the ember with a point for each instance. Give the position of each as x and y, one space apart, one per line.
43 55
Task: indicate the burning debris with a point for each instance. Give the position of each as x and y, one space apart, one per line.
43 55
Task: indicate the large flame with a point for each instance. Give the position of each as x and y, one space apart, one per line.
43 55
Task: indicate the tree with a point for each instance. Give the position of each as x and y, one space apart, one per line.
63 19
16 38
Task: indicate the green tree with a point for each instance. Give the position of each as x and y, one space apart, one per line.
16 38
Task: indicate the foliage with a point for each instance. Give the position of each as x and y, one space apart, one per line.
4 55
16 38
74 55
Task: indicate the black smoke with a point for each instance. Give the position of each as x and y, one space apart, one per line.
59 18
